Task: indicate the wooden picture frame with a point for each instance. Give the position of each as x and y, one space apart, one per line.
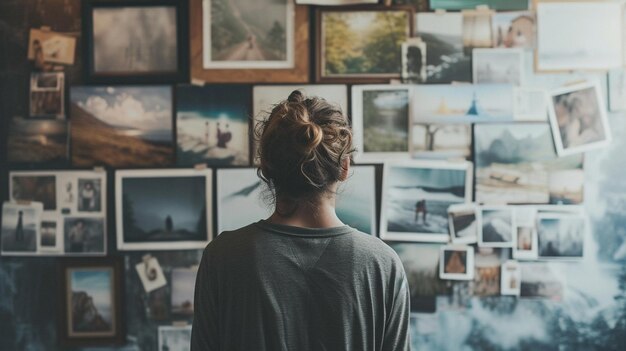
366 78
141 76
299 73
94 273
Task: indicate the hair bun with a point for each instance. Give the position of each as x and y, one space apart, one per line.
296 96
314 136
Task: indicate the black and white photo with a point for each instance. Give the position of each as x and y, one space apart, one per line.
496 226
20 228
89 195
413 61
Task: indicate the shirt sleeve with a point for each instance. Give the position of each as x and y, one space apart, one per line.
204 333
398 322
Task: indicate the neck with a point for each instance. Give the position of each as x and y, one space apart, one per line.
314 214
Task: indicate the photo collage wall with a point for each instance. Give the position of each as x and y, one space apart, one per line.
471 119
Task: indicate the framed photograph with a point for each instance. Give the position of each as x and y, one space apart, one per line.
21 228
446 60
52 47
37 141
231 43
564 44
91 308
462 223
84 235
47 95
441 141
561 236
416 196
380 122
212 125
183 281
456 262
361 44
413 61
496 226
122 126
135 41
511 278
514 30
500 5
542 280
515 163
579 119
174 338
421 264
488 263
498 66
530 104
163 209
462 103
526 243
151 274
617 90
477 31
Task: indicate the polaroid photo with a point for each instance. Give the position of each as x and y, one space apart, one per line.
487 267
175 338
496 226
47 95
526 243
21 228
514 29
617 90
417 195
462 223
511 278
441 141
183 281
48 46
456 262
151 274
413 61
542 280
498 66
561 236
159 209
530 104
579 119
564 44
381 117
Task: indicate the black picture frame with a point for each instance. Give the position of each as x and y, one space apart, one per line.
180 75
117 335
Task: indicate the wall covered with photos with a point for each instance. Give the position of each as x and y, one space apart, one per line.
490 157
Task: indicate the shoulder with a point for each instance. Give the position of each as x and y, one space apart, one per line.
373 249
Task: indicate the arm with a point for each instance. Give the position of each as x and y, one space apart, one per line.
398 321
204 333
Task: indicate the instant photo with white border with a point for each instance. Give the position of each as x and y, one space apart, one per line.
479 220
469 262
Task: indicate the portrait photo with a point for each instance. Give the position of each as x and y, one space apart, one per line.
413 61
235 36
561 236
511 278
514 29
579 119
212 125
151 274
174 338
456 262
496 226
416 197
498 66
38 141
89 195
34 186
441 141
462 223
163 209
183 281
109 121
20 228
47 95
84 235
380 122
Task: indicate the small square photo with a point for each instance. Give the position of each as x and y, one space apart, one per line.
456 262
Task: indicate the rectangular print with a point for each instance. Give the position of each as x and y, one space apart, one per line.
456 262
174 338
47 95
416 198
500 5
37 141
21 225
542 280
496 226
183 282
514 30
561 236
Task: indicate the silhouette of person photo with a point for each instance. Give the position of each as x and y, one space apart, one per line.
77 236
420 207
88 197
19 228
223 137
169 224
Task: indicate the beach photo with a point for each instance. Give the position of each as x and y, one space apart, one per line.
416 197
561 236
84 235
183 281
579 119
235 36
421 264
462 103
362 43
37 141
174 338
34 186
462 223
20 228
121 126
441 141
514 29
496 226
446 61
47 95
497 66
212 125
456 262
163 209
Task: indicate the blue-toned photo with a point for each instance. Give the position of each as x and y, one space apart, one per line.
91 301
212 125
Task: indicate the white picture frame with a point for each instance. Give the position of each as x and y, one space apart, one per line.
511 272
469 262
440 234
358 127
601 119
123 245
466 210
482 242
584 233
27 219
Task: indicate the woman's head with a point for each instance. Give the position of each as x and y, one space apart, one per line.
304 148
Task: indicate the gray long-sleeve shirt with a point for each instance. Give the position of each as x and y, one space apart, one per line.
275 287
